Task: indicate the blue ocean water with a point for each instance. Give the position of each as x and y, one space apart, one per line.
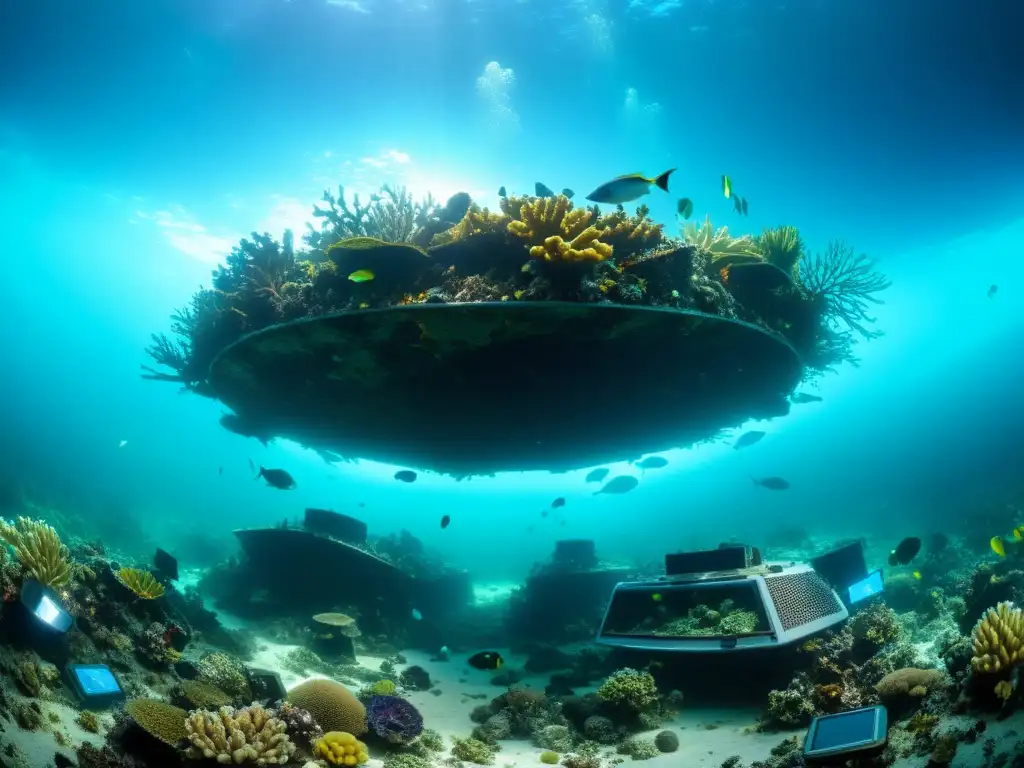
139 141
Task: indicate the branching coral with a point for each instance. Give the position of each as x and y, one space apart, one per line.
630 234
141 582
584 247
391 215
558 232
476 221
998 639
248 735
846 283
39 550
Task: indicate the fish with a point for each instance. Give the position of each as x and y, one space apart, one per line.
406 476
362 276
772 483
276 478
568 193
415 613
559 502
656 597
620 484
252 467
739 205
166 563
685 207
486 660
748 439
996 542
542 190
726 187
746 210
992 290
122 444
626 189
916 574
653 462
905 551
596 475
502 192
445 521
1018 533
804 397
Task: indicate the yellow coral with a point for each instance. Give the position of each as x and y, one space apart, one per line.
725 249
39 549
998 639
160 720
547 217
141 582
341 748
477 221
583 247
629 234
1004 689
245 735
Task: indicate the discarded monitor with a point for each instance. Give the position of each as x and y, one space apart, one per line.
95 685
855 734
45 606
768 605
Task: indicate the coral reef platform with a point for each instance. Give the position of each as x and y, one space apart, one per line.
478 388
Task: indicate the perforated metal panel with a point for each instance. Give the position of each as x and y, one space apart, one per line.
801 598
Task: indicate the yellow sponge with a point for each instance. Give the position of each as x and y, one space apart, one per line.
340 748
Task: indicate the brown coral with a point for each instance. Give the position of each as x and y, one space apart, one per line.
333 706
909 681
998 639
160 720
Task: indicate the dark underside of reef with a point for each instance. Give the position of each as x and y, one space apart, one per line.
495 386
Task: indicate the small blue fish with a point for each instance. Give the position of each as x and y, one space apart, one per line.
620 484
417 615
596 475
748 439
653 462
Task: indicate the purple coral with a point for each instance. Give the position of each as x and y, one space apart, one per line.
394 719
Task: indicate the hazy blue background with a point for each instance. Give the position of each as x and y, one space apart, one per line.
139 140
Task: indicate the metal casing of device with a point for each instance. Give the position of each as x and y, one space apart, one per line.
782 603
861 739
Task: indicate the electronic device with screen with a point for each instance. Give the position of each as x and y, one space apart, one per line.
266 684
45 606
858 733
94 684
865 588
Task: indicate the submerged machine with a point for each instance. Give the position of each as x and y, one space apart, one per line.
726 599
